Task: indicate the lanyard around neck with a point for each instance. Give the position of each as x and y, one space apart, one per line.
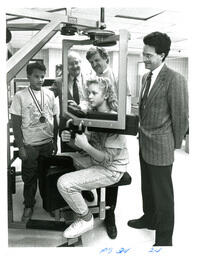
39 107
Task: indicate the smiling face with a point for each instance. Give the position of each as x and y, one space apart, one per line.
98 63
151 59
74 65
36 79
97 97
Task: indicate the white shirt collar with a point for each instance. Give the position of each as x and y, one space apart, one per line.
77 77
156 71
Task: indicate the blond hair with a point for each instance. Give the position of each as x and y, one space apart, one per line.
107 87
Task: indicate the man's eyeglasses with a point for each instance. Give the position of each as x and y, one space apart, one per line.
148 55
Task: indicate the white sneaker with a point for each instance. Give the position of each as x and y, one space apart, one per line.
78 227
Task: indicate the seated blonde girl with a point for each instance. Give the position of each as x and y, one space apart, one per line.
108 159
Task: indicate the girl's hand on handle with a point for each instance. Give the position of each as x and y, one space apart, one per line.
81 141
66 136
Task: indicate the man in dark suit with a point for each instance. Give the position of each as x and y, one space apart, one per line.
163 113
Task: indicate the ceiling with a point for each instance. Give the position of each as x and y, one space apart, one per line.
135 20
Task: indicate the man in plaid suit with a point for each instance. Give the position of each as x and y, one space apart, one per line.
163 113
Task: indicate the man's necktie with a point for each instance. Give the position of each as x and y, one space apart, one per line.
146 91
75 91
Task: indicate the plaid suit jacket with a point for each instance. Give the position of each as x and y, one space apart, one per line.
164 121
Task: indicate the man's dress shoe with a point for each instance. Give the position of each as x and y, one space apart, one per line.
139 224
111 231
110 224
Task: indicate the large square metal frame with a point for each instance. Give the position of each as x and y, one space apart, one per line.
120 123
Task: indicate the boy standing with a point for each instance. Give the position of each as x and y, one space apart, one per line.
33 112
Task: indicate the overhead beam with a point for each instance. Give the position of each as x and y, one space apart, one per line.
25 26
14 18
22 56
43 15
31 13
31 26
53 10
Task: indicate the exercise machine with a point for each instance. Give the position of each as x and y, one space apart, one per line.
97 35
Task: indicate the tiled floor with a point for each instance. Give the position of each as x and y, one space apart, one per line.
129 206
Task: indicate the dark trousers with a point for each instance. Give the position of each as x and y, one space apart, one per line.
111 200
31 171
158 200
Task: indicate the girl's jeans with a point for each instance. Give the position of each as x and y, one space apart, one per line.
71 184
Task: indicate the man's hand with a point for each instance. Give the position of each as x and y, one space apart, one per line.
66 136
72 103
23 154
81 141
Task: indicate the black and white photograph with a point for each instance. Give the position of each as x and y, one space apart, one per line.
96 129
